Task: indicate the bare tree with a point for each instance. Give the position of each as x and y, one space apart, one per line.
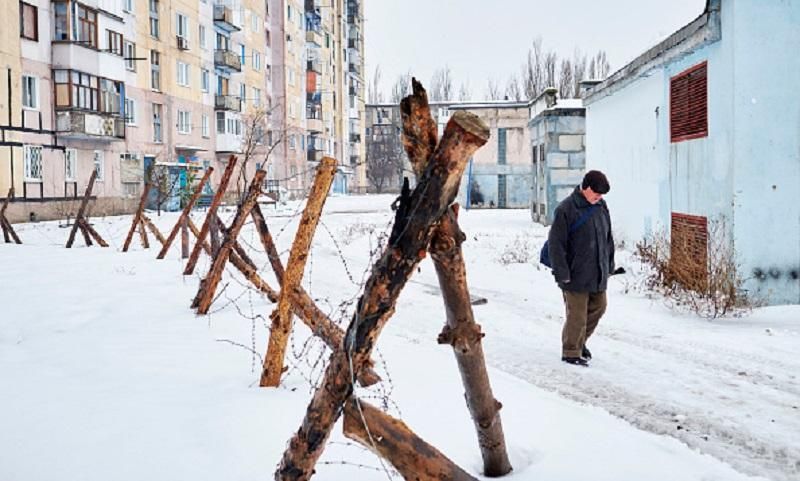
464 92
532 79
578 70
492 90
374 93
514 89
442 85
164 184
549 66
565 82
385 157
401 87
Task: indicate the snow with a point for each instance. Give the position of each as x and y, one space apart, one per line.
107 374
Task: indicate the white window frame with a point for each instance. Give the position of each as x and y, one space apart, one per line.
30 100
128 6
290 74
182 73
182 25
202 36
254 21
256 60
205 127
256 97
129 52
130 111
71 165
184 122
205 80
98 157
32 155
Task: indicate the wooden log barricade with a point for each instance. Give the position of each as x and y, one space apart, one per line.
8 229
460 331
211 216
80 220
413 228
187 209
138 222
209 285
282 316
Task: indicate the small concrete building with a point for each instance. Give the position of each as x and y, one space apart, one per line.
558 155
703 127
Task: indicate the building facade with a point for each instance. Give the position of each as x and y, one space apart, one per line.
697 131
122 87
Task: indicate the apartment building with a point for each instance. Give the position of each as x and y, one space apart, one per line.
313 89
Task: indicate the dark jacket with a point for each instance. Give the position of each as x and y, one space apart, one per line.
584 258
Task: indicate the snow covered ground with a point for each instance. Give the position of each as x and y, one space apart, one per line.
107 374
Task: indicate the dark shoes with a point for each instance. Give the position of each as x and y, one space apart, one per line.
577 361
586 353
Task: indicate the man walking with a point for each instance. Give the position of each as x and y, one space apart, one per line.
581 250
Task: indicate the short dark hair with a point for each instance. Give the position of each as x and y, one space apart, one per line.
597 181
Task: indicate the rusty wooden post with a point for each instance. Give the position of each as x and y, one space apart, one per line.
212 212
186 210
184 239
89 230
282 317
392 440
8 229
143 235
415 216
153 229
81 212
215 273
137 220
460 331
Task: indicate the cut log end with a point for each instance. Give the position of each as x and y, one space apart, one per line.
471 123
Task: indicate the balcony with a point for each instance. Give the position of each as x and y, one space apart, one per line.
91 126
314 155
314 125
355 138
353 43
354 19
223 18
315 37
227 61
314 98
354 69
314 66
227 102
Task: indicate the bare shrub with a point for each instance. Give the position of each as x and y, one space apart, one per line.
355 231
520 250
706 282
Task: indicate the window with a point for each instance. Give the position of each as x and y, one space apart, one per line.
182 26
83 91
183 74
130 111
242 93
127 5
114 40
32 155
30 92
205 127
70 165
220 122
184 122
87 26
157 117
204 80
99 165
291 142
110 96
501 146
130 56
256 97
688 104
291 76
61 27
242 54
256 61
155 70
154 18
202 36
289 12
28 21
254 21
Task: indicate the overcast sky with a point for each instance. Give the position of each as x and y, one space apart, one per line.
482 39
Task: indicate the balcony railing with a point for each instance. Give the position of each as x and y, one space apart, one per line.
88 125
227 102
314 125
314 66
227 60
223 18
314 36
